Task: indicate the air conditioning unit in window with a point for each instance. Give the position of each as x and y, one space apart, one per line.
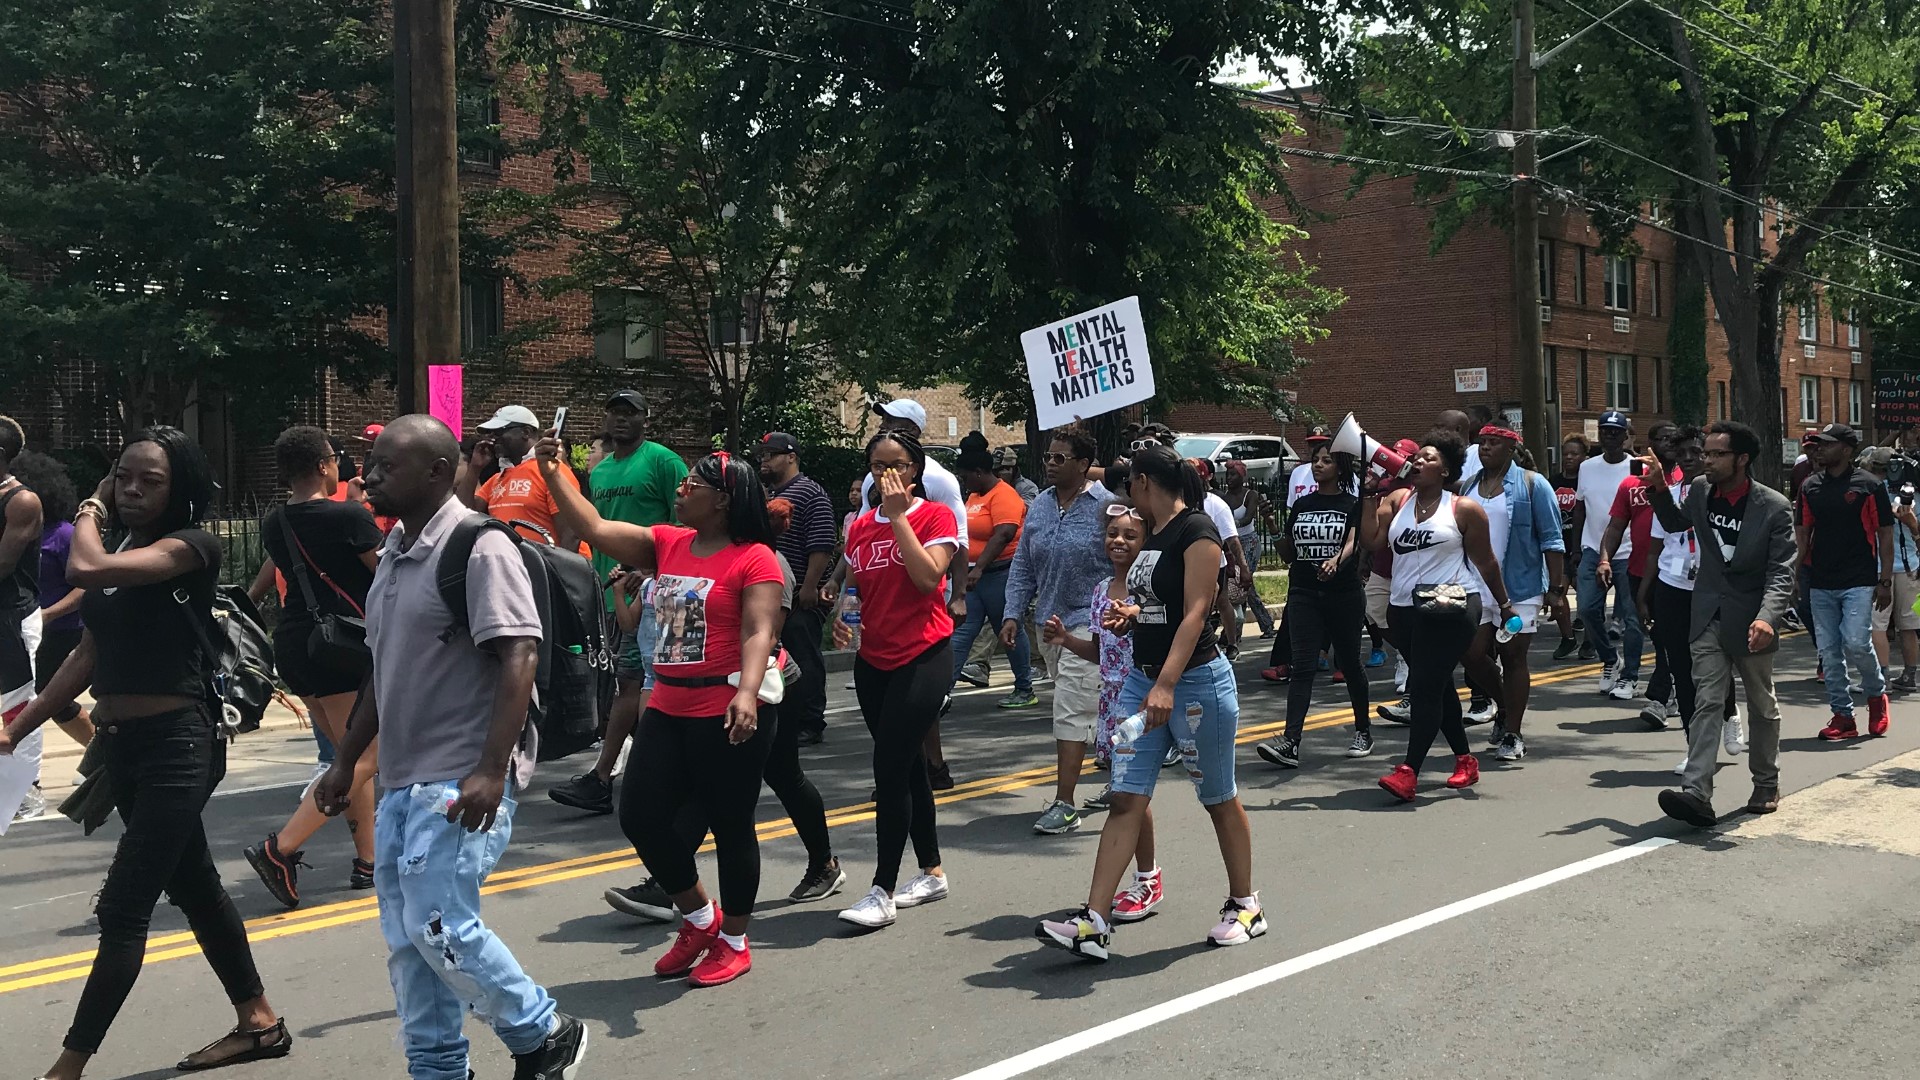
1809 351
1856 356
1621 324
1546 315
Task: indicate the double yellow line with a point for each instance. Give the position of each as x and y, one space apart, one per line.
76 965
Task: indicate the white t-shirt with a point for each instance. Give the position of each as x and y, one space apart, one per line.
1599 482
1222 517
1679 552
1301 481
1473 459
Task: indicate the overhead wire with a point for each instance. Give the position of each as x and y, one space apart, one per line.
668 33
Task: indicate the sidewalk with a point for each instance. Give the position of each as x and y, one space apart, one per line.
278 718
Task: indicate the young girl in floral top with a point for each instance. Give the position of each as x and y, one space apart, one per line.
1126 533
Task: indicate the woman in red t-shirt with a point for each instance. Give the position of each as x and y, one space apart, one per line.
701 740
897 555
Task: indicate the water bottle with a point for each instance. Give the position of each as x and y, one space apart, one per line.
1130 729
1505 631
850 613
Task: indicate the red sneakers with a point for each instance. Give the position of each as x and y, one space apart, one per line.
1339 676
1277 674
1840 727
1139 899
722 964
687 947
1466 772
1401 783
1877 715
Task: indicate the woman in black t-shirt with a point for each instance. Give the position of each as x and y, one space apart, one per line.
1325 601
142 654
326 551
1186 691
1566 492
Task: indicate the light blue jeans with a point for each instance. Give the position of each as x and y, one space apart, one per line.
1843 625
441 959
1593 612
1206 717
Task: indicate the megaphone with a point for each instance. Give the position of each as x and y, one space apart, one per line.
1353 439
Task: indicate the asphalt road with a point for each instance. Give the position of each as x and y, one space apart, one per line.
1549 923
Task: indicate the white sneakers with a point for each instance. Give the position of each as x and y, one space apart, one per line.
1733 735
1607 674
872 911
1624 689
922 889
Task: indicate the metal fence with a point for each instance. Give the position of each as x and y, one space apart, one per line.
242 551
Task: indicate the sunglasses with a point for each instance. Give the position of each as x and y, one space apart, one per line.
1115 510
689 483
1138 445
1055 458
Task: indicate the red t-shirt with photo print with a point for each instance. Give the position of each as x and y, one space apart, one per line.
697 603
897 621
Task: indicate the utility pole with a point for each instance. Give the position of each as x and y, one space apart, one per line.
427 196
1526 244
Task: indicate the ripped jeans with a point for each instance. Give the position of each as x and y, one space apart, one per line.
441 959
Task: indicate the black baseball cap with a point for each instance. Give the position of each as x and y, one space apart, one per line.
1840 433
630 396
779 442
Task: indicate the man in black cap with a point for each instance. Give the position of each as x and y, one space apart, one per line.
807 545
636 483
1843 525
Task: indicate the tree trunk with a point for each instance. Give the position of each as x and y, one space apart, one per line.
1687 377
1753 347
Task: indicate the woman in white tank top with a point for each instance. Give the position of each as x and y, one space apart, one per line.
1442 563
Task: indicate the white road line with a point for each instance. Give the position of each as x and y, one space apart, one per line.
1061 1049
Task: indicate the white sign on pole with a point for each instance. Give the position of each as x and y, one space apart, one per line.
1469 380
1088 364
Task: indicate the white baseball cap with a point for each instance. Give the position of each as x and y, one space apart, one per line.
510 415
903 409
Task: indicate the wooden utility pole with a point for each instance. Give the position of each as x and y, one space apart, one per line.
1526 245
427 196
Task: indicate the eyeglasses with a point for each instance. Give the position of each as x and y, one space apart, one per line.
879 467
690 482
1716 453
1115 510
1055 458
1138 445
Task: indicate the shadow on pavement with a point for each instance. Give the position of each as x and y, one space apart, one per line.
317 1031
1051 975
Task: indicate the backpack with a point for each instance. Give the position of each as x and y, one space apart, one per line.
573 648
242 682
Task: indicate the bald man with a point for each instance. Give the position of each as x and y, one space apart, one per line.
455 744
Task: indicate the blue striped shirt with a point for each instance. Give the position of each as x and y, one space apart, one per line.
1062 556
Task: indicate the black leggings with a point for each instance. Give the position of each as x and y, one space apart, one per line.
1320 616
679 762
162 770
900 705
1433 644
789 782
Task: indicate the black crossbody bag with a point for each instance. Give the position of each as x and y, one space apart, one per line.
338 642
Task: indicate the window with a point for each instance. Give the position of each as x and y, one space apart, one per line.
1721 393
1653 298
1620 382
1809 319
1580 382
1836 401
1616 282
737 323
623 334
478 122
482 312
1809 399
1550 364
1580 274
1853 328
1854 394
1658 382
1545 249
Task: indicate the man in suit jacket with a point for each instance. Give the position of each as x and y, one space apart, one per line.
1744 589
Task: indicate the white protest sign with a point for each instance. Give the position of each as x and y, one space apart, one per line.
1088 364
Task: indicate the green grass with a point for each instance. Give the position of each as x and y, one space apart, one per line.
1271 585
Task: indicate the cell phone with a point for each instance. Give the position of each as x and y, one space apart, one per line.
559 421
1637 467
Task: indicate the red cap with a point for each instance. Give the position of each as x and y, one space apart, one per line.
372 431
1406 448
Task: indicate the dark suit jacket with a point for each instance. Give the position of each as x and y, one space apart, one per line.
1757 583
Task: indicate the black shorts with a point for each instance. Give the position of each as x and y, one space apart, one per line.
55 645
303 677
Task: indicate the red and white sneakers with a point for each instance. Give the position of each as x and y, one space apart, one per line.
1138 900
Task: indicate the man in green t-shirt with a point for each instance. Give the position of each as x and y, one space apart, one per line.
638 483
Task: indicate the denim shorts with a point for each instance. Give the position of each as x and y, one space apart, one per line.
1206 718
635 656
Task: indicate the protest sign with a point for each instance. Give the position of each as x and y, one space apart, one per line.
445 392
1088 364
1896 400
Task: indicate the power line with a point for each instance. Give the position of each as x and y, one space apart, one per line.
895 27
1504 179
669 34
1761 60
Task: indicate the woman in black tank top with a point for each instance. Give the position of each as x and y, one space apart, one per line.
163 754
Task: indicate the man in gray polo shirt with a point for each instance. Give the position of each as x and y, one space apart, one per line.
455 743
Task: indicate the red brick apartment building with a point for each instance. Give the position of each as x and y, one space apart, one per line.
1421 332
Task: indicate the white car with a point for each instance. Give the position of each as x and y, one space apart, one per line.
1266 456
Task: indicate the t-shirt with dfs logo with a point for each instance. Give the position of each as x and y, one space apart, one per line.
1319 526
519 497
897 621
696 602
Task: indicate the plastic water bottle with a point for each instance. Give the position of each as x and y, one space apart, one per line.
1130 729
850 613
1505 631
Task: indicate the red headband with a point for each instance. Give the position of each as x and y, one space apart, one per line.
1499 432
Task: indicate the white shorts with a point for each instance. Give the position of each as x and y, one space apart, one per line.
1900 616
1528 610
1076 694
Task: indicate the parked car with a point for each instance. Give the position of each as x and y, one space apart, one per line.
1267 457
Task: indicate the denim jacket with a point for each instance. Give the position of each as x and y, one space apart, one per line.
1533 531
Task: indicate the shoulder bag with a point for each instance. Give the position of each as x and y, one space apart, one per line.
338 642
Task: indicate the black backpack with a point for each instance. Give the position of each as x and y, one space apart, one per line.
573 647
241 682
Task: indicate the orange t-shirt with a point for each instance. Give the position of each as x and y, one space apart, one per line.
519 497
1001 505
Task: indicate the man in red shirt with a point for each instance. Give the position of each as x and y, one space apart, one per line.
1632 519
